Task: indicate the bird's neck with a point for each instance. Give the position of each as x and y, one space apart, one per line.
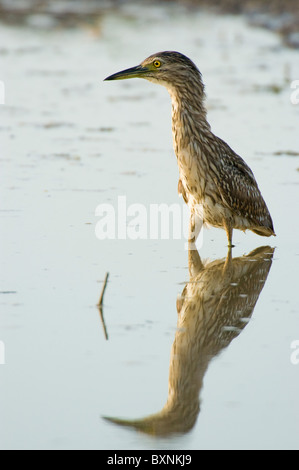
189 115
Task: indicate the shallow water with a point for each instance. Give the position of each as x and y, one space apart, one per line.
69 142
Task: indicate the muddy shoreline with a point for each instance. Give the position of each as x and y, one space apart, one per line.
277 15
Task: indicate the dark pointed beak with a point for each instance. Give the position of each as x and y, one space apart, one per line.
133 72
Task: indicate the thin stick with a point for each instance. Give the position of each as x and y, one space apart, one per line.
103 321
100 306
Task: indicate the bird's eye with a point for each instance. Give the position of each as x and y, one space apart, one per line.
157 64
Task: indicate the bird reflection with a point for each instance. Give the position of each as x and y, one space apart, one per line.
213 309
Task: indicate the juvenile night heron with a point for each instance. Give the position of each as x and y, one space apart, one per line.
214 181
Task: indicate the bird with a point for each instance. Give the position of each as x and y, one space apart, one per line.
215 306
216 183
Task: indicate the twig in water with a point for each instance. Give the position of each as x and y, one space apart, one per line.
100 305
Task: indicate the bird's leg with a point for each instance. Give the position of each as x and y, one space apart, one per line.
195 225
229 232
228 261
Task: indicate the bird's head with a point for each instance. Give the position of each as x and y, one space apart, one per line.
166 68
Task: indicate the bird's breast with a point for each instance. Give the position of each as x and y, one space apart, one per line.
199 190
191 174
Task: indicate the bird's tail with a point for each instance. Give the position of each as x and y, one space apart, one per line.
264 231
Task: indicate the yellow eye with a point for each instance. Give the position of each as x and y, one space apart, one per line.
157 64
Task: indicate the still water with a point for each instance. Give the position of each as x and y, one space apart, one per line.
194 350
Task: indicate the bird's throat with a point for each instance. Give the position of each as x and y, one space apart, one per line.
189 119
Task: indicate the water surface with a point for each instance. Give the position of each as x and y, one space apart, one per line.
70 142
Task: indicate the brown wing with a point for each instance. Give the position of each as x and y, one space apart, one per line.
238 188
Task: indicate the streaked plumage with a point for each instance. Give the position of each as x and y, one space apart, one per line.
216 183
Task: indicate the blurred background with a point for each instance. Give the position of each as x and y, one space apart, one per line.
276 15
225 378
